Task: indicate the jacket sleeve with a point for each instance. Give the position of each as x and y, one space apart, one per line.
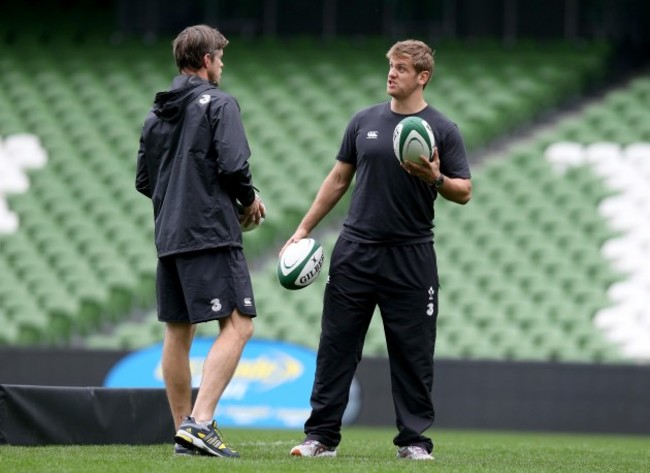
142 183
233 151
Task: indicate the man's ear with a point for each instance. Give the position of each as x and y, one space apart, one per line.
423 77
206 61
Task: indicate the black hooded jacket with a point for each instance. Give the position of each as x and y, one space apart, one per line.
193 164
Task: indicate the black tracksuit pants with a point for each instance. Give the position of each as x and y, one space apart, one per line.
403 282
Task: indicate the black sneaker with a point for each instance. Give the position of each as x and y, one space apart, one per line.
183 451
206 439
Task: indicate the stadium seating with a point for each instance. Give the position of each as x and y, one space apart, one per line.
81 262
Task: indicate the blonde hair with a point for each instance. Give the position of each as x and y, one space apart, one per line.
193 43
418 52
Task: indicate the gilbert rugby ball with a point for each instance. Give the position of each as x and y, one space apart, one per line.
300 263
412 138
240 213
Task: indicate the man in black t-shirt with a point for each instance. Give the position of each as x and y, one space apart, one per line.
384 257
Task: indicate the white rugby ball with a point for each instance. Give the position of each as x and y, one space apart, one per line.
300 263
240 214
412 138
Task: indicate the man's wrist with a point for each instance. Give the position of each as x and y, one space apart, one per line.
437 183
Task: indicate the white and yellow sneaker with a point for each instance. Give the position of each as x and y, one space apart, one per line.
207 439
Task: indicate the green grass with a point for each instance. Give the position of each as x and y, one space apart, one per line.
363 450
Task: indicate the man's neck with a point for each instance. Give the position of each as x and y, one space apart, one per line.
202 73
413 104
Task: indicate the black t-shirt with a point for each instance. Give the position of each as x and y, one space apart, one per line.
389 206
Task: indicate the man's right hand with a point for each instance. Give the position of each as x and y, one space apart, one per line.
299 234
254 213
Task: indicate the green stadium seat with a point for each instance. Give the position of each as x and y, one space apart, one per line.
9 335
90 234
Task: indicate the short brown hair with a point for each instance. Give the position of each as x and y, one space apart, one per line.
418 52
193 43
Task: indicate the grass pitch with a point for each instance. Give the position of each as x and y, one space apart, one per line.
363 450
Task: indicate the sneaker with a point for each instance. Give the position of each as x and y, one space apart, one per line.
206 439
313 448
413 452
180 450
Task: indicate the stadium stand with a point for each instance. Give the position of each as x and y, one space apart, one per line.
80 259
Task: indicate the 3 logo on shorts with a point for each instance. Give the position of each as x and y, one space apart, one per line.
430 306
248 302
216 305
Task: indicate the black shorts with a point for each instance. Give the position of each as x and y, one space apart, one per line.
204 285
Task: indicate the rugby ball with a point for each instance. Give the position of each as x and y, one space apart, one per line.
300 263
240 214
412 138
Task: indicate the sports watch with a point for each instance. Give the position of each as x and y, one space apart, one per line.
438 182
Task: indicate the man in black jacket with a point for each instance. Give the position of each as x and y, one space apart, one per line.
193 165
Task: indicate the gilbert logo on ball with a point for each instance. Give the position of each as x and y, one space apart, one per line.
412 138
300 263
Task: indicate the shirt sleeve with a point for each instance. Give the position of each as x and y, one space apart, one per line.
453 157
233 151
348 150
142 183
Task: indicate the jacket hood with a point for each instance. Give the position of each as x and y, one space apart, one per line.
170 105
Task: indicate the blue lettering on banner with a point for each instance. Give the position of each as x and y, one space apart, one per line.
271 386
